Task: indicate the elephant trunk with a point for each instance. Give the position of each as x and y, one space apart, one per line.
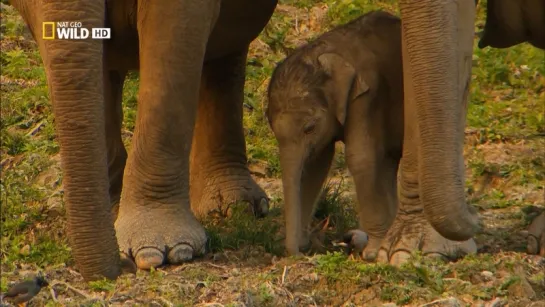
75 79
438 42
292 162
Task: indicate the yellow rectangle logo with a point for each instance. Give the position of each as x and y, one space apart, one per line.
52 25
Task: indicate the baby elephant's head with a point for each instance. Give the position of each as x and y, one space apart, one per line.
308 97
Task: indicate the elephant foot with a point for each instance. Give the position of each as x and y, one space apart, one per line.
158 235
411 232
536 236
216 195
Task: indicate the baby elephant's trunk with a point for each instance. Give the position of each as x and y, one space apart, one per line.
292 162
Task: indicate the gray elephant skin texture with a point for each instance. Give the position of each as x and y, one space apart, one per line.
138 206
347 85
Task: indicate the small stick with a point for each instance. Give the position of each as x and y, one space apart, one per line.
36 128
217 266
284 275
165 301
87 296
53 295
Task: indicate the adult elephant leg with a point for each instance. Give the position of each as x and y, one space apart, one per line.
117 154
155 222
411 231
219 171
74 71
433 216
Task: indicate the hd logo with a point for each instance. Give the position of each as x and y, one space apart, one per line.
72 30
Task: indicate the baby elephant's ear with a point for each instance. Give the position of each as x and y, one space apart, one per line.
345 85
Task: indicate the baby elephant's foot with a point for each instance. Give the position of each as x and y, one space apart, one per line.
412 232
215 195
536 236
159 235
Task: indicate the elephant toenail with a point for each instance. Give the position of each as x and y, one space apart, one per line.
149 257
399 257
382 256
180 253
262 208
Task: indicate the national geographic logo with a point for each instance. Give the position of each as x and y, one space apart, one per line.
48 34
72 30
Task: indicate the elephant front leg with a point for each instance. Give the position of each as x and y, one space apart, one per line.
219 171
155 223
430 188
74 76
411 231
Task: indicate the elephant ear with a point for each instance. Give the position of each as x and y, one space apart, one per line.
345 84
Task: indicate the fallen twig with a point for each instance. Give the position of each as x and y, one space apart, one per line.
284 273
276 288
457 280
165 301
80 292
53 295
217 266
310 298
36 128
73 272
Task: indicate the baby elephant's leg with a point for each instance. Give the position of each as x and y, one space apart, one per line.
374 169
375 179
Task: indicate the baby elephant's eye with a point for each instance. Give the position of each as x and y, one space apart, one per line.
309 127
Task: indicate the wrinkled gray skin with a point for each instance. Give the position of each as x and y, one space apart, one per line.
347 85
191 55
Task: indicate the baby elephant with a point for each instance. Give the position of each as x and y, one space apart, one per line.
347 86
